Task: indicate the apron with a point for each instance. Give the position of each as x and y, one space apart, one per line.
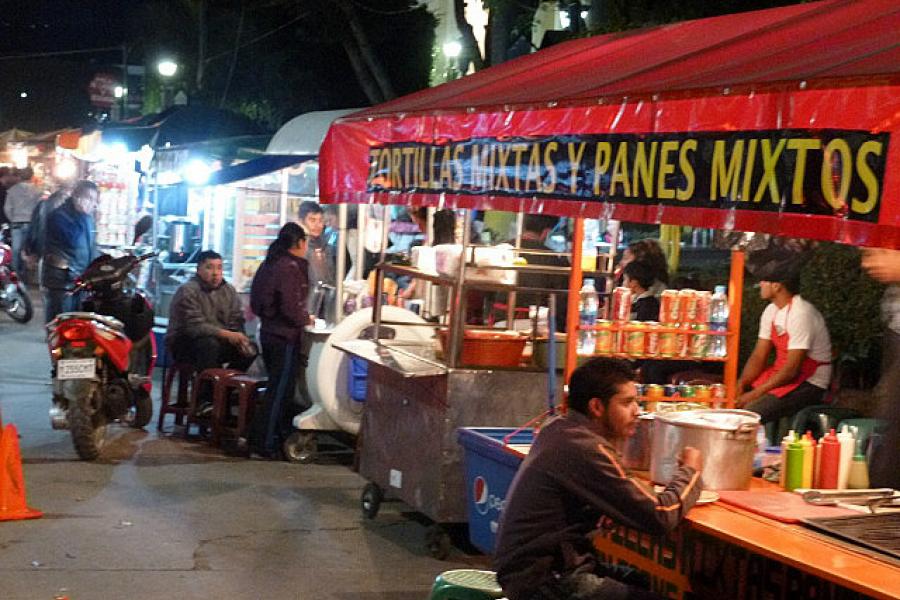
807 367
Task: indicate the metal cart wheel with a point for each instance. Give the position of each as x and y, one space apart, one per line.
300 447
438 542
371 499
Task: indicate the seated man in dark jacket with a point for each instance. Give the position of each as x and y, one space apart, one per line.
573 477
206 321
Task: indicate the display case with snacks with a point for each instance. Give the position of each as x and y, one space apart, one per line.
115 215
257 221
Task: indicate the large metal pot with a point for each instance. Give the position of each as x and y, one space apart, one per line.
727 439
636 449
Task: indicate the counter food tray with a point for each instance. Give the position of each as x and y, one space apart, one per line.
876 532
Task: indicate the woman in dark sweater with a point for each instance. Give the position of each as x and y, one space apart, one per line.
278 297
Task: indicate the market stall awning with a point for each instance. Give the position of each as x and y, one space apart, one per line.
178 126
303 134
777 121
253 168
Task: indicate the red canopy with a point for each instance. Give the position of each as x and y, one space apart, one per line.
777 121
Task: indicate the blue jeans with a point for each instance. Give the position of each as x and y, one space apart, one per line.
19 235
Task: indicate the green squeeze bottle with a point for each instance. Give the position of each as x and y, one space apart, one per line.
793 477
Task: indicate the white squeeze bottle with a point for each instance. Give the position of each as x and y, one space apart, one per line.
588 305
845 438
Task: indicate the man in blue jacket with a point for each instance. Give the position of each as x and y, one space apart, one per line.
70 248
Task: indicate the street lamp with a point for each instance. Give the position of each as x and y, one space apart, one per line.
167 68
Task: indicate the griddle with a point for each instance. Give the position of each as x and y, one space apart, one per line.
876 532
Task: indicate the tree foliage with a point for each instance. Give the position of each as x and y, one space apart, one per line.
274 59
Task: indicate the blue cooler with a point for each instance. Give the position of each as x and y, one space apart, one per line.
357 374
490 469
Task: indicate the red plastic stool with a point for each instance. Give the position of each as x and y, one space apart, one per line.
185 373
247 391
212 379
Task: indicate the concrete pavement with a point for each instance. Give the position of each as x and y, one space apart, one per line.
161 517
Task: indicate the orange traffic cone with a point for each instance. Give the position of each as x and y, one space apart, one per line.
12 482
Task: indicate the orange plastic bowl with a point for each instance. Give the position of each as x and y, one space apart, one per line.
488 348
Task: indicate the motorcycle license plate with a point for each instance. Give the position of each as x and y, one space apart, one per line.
76 368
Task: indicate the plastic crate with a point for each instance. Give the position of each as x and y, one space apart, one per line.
356 378
490 468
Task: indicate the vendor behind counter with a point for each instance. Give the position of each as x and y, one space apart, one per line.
536 228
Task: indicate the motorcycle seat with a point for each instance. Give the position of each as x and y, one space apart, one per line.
91 316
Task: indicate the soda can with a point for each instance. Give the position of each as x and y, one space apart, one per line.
604 337
681 344
686 391
704 300
702 392
669 307
668 344
652 348
654 391
687 300
635 342
621 341
621 304
699 341
670 390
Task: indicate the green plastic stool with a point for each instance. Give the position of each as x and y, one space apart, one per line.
466 584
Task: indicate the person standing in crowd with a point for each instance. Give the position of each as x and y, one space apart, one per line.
884 470
21 200
278 297
7 180
70 247
206 321
36 242
572 477
796 331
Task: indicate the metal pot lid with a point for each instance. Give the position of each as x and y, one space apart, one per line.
718 419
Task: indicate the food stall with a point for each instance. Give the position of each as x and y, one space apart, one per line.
776 121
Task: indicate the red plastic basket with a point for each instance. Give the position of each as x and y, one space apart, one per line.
488 348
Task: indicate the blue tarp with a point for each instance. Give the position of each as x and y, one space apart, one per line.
255 167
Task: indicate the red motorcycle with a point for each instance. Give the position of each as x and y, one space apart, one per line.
14 298
102 356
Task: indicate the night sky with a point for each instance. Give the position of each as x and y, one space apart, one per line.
57 85
299 66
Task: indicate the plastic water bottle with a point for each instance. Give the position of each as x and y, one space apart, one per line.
588 305
718 321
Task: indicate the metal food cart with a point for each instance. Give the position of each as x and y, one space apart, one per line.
697 129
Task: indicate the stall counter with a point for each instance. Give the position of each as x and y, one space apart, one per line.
722 551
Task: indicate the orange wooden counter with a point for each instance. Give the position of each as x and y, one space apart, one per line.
725 552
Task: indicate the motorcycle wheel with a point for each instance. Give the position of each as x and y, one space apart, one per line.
142 409
19 307
88 431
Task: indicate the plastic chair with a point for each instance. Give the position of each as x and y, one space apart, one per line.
819 418
247 391
185 373
212 379
466 584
